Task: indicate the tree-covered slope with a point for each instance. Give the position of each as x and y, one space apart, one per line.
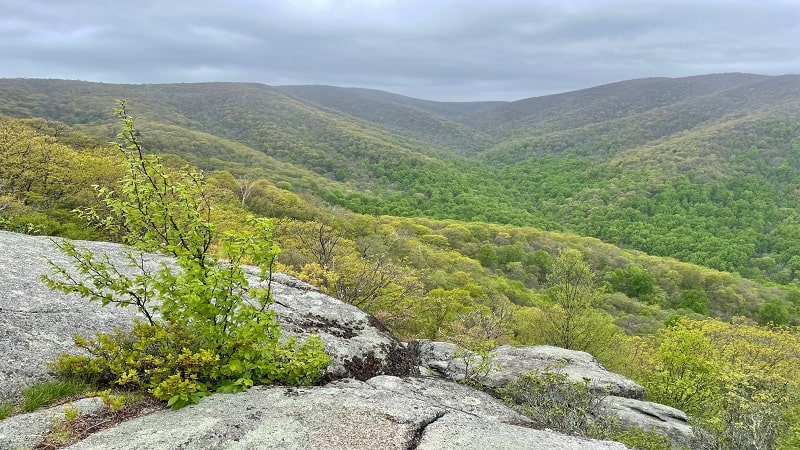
449 110
426 121
337 146
602 103
704 169
635 113
477 283
50 169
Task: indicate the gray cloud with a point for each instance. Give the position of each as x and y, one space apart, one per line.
443 50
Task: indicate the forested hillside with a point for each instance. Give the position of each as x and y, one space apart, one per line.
703 169
431 122
483 246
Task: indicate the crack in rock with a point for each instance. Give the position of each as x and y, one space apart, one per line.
420 430
645 412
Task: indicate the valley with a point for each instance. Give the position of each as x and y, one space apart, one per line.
673 200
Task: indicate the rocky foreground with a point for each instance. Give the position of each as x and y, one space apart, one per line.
374 396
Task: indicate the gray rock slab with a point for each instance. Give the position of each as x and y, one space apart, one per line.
23 431
438 358
382 413
514 361
37 324
459 431
510 362
449 396
361 346
624 401
662 419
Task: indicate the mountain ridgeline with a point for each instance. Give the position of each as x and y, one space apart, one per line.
704 169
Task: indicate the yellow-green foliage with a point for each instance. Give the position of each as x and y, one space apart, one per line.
635 438
207 328
593 329
70 412
42 176
551 399
738 378
172 364
116 402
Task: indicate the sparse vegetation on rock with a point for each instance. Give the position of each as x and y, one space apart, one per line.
207 328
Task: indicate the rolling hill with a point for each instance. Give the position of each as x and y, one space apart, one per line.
704 169
470 222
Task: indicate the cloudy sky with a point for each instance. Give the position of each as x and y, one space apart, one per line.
434 49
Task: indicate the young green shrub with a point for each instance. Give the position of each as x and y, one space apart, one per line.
70 413
633 437
61 432
207 328
118 400
478 363
59 435
553 400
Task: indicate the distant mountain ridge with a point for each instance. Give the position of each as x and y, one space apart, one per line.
434 122
461 127
700 168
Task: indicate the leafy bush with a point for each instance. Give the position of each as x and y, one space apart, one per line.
553 400
171 363
117 401
738 380
477 363
634 438
207 328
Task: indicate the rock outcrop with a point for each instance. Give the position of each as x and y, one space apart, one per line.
624 399
26 430
508 363
383 413
665 420
373 397
360 345
37 324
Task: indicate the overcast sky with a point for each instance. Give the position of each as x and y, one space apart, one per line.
439 50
